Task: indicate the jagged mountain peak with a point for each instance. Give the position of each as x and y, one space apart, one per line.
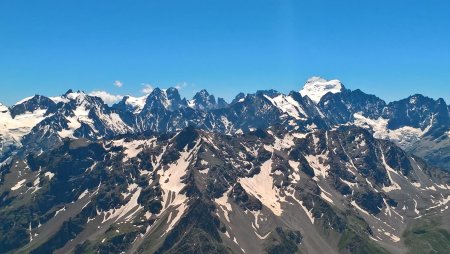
239 98
202 93
269 92
167 99
173 94
68 92
316 87
221 103
202 100
76 98
31 104
81 99
418 111
417 99
78 95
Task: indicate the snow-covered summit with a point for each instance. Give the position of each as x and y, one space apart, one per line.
316 87
14 127
78 96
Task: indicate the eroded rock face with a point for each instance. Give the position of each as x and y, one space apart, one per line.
268 172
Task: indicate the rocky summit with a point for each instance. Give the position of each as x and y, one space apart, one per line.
322 170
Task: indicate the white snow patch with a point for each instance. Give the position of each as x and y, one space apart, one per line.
316 164
288 105
49 174
204 171
389 171
133 148
352 185
171 182
13 129
18 185
441 186
285 143
224 205
120 212
295 175
58 99
72 125
299 135
441 203
261 186
60 210
393 237
326 195
359 208
262 237
36 184
85 192
416 184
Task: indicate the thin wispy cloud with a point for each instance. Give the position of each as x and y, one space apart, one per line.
148 88
181 85
108 98
118 83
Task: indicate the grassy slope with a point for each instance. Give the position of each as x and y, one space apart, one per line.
427 236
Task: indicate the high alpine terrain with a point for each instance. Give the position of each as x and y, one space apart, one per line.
322 170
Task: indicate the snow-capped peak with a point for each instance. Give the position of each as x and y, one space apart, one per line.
79 96
316 87
68 96
12 129
136 103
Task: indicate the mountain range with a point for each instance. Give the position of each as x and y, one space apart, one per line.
322 170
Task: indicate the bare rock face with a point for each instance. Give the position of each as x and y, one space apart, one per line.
326 170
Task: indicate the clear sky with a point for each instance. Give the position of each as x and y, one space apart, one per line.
391 48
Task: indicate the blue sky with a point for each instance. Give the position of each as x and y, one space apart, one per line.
388 48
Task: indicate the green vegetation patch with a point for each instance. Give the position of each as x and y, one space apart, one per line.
427 237
355 238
